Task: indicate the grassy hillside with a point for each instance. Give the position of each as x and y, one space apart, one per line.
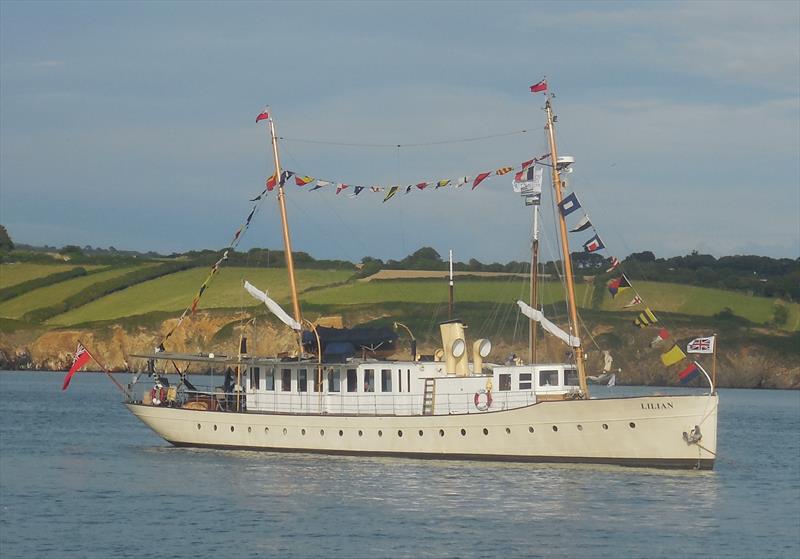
46 296
659 296
176 291
173 292
17 272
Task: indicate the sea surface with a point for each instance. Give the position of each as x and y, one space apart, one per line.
81 477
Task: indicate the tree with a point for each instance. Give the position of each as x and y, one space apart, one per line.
6 244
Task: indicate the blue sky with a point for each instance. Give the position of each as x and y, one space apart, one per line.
132 124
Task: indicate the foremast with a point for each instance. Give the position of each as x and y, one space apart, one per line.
565 253
287 240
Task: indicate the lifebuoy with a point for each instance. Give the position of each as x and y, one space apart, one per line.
483 404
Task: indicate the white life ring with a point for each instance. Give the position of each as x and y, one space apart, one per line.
483 400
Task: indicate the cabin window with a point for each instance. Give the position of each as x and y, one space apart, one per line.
255 378
505 381
548 378
369 380
269 378
286 380
399 380
333 380
302 380
571 377
386 380
352 380
408 380
525 381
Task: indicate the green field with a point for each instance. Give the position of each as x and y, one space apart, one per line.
176 291
17 272
703 301
658 296
52 294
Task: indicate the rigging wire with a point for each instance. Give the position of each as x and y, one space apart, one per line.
402 145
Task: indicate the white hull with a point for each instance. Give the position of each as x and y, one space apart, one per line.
637 431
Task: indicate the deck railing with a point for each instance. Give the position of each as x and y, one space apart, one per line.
215 399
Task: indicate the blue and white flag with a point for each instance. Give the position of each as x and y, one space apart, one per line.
569 204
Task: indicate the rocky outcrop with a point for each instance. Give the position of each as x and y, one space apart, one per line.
743 365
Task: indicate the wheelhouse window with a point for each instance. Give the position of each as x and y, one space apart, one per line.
269 379
302 380
286 380
352 380
504 381
369 380
571 377
525 381
255 378
548 378
333 380
386 380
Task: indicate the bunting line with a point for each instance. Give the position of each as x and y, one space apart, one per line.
237 237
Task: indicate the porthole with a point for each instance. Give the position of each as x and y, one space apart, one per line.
380 433
266 430
508 430
555 428
399 433
463 432
322 432
215 427
632 425
302 431
605 426
420 432
341 432
530 429
441 432
360 433
485 431
231 428
198 426
580 427
249 429
285 430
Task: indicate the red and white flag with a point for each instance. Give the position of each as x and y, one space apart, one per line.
663 334
81 358
263 115
635 301
701 345
614 264
537 87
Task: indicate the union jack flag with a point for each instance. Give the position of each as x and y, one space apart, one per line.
701 345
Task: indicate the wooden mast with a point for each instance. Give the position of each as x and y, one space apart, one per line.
287 240
532 357
565 254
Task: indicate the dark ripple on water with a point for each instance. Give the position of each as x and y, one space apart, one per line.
80 477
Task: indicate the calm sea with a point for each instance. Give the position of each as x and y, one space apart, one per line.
81 477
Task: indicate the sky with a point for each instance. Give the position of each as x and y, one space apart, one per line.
133 124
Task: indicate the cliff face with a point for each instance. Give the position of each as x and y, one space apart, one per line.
748 365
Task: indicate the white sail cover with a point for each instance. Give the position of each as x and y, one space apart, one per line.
536 315
274 307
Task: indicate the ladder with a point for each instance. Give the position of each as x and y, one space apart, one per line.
429 396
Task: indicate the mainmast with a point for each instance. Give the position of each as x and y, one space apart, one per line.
287 240
534 283
565 254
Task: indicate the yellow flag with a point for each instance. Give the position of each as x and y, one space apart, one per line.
672 356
